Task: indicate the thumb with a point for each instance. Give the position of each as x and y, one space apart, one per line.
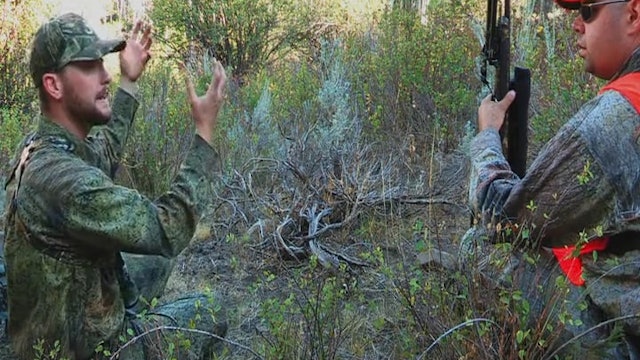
507 99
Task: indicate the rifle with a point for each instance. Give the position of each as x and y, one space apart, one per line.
496 52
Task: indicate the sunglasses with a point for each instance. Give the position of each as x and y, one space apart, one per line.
587 11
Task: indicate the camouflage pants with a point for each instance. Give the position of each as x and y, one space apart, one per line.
186 322
579 316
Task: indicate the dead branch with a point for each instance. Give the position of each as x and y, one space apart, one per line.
295 252
313 217
317 182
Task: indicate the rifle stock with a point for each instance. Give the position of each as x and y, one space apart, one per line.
497 53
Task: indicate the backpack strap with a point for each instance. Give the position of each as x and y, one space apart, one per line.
18 169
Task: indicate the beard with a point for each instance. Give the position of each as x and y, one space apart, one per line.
88 111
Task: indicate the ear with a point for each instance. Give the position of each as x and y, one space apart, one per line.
633 15
52 84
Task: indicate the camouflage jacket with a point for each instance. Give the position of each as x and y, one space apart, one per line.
584 183
69 223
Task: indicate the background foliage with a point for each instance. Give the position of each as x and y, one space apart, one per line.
337 111
17 24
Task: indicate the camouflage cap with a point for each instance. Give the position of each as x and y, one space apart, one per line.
64 39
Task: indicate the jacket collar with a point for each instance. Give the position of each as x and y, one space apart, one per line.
61 137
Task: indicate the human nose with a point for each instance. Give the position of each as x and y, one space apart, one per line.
106 77
578 24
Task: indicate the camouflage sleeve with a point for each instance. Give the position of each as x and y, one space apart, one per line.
564 192
90 210
491 176
109 140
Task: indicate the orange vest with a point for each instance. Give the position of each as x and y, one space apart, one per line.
569 256
628 86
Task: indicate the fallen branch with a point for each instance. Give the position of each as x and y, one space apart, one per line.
295 252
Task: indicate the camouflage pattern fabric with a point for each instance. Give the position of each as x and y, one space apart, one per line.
583 184
69 222
64 39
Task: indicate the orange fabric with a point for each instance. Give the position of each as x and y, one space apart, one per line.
628 86
570 262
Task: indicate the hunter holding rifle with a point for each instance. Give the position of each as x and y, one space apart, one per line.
578 205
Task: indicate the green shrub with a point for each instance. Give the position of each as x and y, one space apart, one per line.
18 23
243 34
162 132
413 78
316 320
14 124
17 97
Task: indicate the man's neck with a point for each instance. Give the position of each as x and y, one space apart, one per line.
62 118
631 64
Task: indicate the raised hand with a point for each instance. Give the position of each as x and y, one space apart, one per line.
205 108
134 57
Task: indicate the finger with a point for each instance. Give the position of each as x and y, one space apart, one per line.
146 37
136 30
507 100
219 79
191 92
216 75
147 45
222 85
147 56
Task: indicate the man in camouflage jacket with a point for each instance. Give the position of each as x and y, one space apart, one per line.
583 186
70 230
